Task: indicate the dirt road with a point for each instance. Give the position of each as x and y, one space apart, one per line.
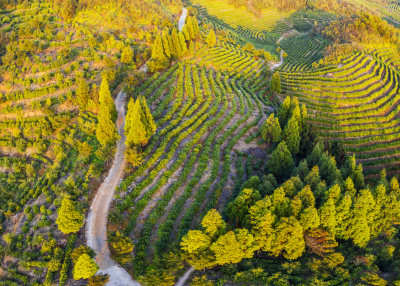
96 225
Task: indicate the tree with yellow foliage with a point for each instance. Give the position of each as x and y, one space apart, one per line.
69 218
85 267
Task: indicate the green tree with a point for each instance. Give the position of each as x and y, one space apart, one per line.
309 218
359 229
289 238
276 83
211 39
176 45
165 37
281 162
82 93
213 223
195 246
135 130
262 219
69 219
343 212
271 130
284 111
127 55
228 249
327 214
239 207
291 135
191 27
77 252
121 246
147 118
85 267
106 131
183 44
158 59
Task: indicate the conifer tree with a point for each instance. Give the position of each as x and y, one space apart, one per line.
166 43
186 33
127 55
136 135
291 135
276 83
106 131
213 223
320 241
147 118
159 59
239 207
183 44
196 27
69 219
281 162
82 93
343 212
211 39
228 249
129 113
105 99
176 45
289 238
309 218
271 130
359 229
85 267
327 216
284 111
190 27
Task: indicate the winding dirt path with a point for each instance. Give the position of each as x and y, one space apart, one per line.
277 65
96 225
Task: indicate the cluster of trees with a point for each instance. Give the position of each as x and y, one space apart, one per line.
139 128
306 202
297 217
289 129
368 30
171 44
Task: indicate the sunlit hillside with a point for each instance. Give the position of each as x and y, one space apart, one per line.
194 142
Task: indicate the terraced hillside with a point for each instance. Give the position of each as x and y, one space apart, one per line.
302 51
355 102
191 165
240 16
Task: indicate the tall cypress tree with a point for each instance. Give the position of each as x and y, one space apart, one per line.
147 118
190 27
82 93
211 39
165 42
106 100
176 46
291 135
136 135
128 118
106 132
159 59
182 44
186 33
